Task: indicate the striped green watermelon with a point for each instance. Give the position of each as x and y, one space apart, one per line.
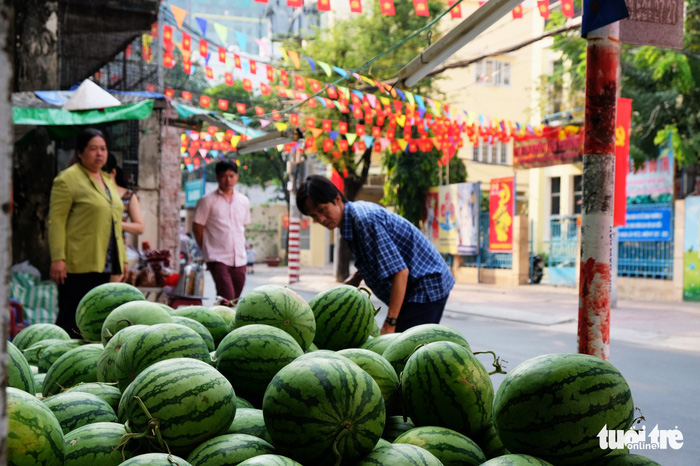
516 460
243 403
191 401
376 331
75 409
321 410
379 368
38 332
450 447
48 351
400 454
395 426
381 443
627 459
251 422
228 449
106 364
344 317
157 343
444 384
133 313
156 459
38 382
553 407
211 320
33 352
96 305
108 392
398 352
19 374
226 313
77 365
381 343
197 327
280 307
250 356
312 348
99 444
269 460
34 436
489 442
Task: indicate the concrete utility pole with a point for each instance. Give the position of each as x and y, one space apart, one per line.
603 56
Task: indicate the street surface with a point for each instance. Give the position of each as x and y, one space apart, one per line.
656 345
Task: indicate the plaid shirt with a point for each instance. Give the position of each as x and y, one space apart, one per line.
385 243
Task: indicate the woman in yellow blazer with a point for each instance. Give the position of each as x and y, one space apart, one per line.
85 233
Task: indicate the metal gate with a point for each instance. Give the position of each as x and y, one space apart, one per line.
563 249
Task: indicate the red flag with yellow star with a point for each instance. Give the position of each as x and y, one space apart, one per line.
223 104
543 6
228 78
455 12
240 108
387 7
186 41
209 72
284 78
295 3
237 61
253 67
518 12
222 55
324 5
567 8
167 34
421 7
203 48
355 6
204 101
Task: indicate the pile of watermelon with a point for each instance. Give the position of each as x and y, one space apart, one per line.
282 381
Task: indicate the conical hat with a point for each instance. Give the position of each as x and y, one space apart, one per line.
90 96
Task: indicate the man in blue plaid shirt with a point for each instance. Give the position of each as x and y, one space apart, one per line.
397 262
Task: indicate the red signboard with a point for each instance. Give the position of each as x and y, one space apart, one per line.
622 154
501 211
560 146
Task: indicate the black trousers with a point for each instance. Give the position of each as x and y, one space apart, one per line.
413 314
70 293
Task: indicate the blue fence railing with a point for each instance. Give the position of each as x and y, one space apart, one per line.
486 259
646 259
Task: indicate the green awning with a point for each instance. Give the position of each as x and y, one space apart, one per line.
58 117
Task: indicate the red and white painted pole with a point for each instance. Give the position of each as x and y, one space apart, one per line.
603 56
293 247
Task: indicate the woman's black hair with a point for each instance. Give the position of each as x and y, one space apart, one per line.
226 165
84 138
119 175
319 189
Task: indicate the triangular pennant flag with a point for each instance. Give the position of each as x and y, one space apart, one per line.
283 52
325 67
264 123
341 72
351 137
402 143
281 126
333 134
246 120
311 62
235 140
263 48
294 56
242 40
372 99
222 32
369 140
202 25
179 14
358 94
409 97
316 131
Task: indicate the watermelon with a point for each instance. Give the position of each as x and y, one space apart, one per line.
98 303
77 365
19 374
197 327
211 320
398 352
251 422
48 351
75 409
574 396
226 313
312 348
381 443
191 401
490 442
108 392
628 459
251 355
157 343
400 454
516 460
381 343
38 332
344 317
101 443
269 460
243 403
33 352
38 382
379 368
395 426
280 307
321 410
106 364
133 313
376 330
34 435
450 447
464 388
156 459
228 449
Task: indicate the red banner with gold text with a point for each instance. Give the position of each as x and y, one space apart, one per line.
501 211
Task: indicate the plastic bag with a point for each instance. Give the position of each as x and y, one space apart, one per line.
27 268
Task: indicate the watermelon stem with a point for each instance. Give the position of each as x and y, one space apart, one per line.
496 362
153 426
347 427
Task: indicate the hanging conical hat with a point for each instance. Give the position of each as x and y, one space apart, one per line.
90 96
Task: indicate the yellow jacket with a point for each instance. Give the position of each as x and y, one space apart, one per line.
81 217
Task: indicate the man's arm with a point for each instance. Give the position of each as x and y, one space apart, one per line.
198 231
398 293
354 279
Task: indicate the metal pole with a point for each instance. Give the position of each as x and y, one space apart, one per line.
159 52
293 246
603 55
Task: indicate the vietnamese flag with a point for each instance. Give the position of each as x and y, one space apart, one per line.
294 119
203 48
327 126
518 12
342 127
324 5
237 61
332 93
253 67
299 82
343 144
223 104
270 72
543 6
310 122
360 130
328 145
204 101
355 6
259 111
248 85
391 133
455 12
186 95
168 60
222 55
395 147
186 41
265 89
209 72
170 93
167 34
567 8
240 108
228 78
295 3
277 116
421 7
284 77
387 7
315 85
376 132
228 135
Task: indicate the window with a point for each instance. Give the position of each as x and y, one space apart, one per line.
495 154
504 154
475 153
578 194
493 73
556 195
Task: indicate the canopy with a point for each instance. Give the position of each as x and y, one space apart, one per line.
58 117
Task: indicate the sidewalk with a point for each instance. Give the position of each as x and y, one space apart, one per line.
658 324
